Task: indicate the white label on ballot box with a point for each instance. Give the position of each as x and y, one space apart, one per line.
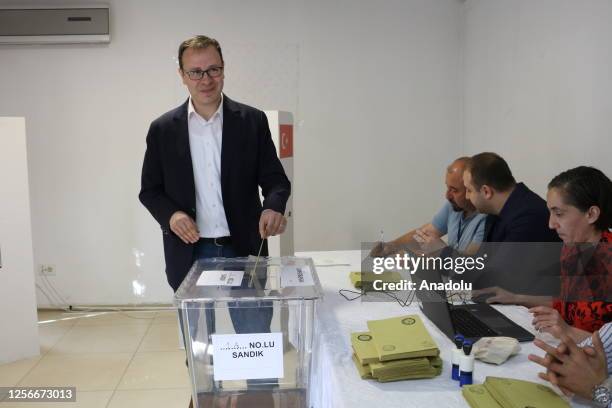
295 276
220 278
247 356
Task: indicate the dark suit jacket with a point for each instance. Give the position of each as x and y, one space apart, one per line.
523 253
248 160
524 218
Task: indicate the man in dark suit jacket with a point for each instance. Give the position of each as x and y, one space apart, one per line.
202 168
516 228
515 213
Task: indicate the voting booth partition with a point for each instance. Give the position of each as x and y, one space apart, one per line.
248 325
281 131
19 338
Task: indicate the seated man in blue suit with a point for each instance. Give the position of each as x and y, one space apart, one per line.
516 227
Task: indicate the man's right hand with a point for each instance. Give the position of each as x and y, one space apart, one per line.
382 249
184 227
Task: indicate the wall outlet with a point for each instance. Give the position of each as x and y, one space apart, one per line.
47 270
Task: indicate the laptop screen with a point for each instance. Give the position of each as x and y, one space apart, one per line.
434 304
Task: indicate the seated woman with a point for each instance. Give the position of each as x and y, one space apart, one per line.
580 204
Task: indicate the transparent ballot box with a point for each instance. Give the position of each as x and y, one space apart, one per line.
248 329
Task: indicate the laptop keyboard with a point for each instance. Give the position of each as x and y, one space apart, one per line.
468 325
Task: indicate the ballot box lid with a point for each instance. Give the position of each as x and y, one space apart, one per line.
249 279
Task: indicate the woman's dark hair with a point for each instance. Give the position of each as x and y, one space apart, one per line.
584 187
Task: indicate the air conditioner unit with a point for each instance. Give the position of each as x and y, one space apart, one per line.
54 25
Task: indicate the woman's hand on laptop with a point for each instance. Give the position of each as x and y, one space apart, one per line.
494 294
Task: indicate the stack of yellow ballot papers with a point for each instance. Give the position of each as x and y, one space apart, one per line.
365 280
396 349
510 393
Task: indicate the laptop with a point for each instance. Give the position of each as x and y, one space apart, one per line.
473 321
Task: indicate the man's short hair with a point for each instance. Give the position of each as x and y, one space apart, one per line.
198 42
492 170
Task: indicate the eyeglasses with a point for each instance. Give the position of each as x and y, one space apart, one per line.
197 74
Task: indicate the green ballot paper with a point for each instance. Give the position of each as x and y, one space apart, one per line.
363 370
365 280
396 349
363 347
407 369
512 393
402 337
477 396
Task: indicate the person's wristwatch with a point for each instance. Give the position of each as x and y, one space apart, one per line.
602 393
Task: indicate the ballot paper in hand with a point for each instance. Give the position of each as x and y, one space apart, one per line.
220 278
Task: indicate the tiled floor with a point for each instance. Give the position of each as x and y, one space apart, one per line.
115 360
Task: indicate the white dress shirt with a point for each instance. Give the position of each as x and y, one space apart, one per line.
205 137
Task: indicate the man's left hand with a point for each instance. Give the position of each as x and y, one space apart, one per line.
271 223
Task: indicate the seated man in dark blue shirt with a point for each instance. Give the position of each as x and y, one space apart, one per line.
518 218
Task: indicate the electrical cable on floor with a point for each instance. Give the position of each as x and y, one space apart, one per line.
53 300
54 290
58 302
45 294
55 294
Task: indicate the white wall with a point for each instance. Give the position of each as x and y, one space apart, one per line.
375 88
538 85
19 337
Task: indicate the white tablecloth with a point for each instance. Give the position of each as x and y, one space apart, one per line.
334 379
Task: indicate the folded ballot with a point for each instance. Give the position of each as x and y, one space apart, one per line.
402 337
365 280
512 393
